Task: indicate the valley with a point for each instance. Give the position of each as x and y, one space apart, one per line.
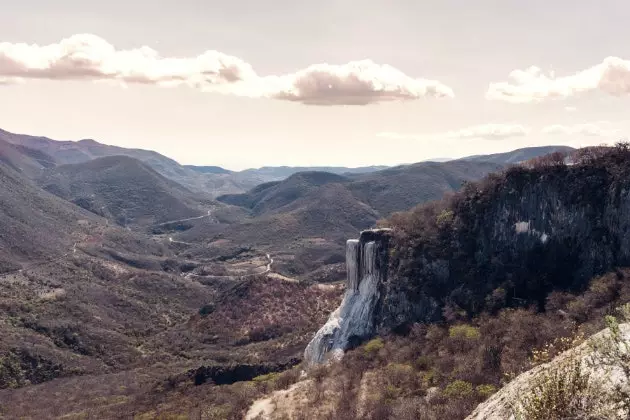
136 295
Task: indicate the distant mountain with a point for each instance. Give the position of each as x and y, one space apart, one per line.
210 181
208 169
403 187
309 215
72 152
124 190
275 173
385 191
272 196
518 155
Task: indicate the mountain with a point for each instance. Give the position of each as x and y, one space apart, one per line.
272 196
36 225
305 219
208 169
403 187
29 162
475 288
455 298
73 152
124 190
518 155
275 173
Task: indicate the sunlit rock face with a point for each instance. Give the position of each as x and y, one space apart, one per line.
355 319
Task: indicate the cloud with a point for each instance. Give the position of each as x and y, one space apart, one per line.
88 57
355 83
484 132
570 108
588 129
612 76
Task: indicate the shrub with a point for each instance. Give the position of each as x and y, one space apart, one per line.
562 393
613 352
373 346
484 391
464 331
266 377
458 389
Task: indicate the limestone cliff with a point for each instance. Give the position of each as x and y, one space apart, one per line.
509 241
356 317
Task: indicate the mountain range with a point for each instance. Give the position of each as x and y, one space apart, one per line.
134 294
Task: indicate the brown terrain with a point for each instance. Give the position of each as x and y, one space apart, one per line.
124 294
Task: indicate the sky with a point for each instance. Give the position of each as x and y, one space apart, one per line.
255 83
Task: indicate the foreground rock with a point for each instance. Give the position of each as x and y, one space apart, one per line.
502 404
354 320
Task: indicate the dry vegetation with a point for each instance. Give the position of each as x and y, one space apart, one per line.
442 371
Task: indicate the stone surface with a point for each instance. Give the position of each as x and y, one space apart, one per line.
499 406
355 319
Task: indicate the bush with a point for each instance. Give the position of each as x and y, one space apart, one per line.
464 331
459 389
613 351
563 393
373 346
484 391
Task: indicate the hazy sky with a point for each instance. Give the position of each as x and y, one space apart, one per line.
278 82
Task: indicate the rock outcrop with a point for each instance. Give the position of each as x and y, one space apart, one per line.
356 318
501 406
509 241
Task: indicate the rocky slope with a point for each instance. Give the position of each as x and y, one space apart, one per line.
502 405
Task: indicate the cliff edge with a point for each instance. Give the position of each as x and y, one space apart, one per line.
355 319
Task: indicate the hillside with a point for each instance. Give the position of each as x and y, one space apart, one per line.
124 190
305 219
271 197
29 162
36 225
275 173
73 152
208 169
518 155
465 294
403 187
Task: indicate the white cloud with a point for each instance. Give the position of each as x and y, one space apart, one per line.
88 57
484 132
355 83
588 129
570 108
612 76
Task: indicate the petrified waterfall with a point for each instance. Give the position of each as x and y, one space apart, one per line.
353 321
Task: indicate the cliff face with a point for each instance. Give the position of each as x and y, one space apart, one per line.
509 241
356 318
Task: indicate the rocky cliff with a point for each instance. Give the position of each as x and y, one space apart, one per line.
356 318
509 241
